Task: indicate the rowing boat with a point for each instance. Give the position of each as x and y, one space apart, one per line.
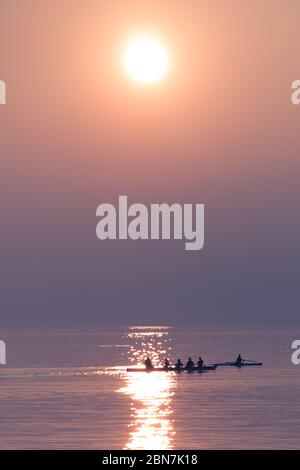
194 369
172 369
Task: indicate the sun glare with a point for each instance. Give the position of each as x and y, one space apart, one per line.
146 60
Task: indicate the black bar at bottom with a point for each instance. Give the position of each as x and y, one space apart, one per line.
135 459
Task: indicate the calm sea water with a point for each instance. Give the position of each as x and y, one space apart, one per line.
69 390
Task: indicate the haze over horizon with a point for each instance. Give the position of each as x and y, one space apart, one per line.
219 129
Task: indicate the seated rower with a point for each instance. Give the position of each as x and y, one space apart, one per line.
178 365
200 362
148 364
166 364
239 360
189 364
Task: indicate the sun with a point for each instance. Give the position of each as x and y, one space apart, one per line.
146 60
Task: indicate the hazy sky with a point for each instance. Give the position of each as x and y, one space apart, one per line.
219 130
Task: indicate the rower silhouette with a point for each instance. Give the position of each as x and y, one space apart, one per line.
148 364
166 364
178 365
189 364
200 362
239 360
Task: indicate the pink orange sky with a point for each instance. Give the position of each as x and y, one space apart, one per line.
219 129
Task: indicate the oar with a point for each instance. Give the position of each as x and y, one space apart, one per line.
248 360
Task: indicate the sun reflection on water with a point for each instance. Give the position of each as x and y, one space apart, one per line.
151 425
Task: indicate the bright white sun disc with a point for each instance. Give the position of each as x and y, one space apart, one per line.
146 60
